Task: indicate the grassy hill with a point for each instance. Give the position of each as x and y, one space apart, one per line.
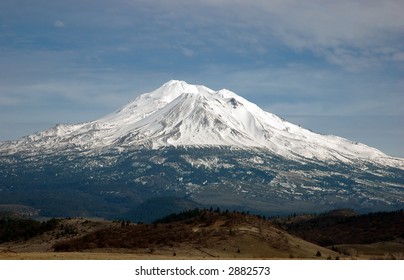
208 234
347 227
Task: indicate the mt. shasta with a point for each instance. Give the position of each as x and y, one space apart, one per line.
194 143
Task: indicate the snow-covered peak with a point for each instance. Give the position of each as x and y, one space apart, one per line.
181 114
171 90
148 103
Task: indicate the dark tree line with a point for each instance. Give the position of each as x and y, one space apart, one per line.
14 229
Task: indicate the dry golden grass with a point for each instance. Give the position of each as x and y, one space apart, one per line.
391 250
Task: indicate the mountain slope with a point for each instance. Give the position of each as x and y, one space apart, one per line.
179 114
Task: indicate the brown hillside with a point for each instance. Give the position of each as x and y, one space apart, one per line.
203 234
344 227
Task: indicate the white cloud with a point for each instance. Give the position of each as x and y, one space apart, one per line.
187 52
345 32
59 24
332 30
398 56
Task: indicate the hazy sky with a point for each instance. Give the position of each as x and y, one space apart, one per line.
336 67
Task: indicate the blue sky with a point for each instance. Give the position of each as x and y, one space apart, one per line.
336 67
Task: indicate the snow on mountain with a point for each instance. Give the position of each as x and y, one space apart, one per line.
180 114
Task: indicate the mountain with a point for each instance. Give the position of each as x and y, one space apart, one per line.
179 114
189 141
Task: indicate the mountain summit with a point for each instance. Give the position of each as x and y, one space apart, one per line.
180 114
